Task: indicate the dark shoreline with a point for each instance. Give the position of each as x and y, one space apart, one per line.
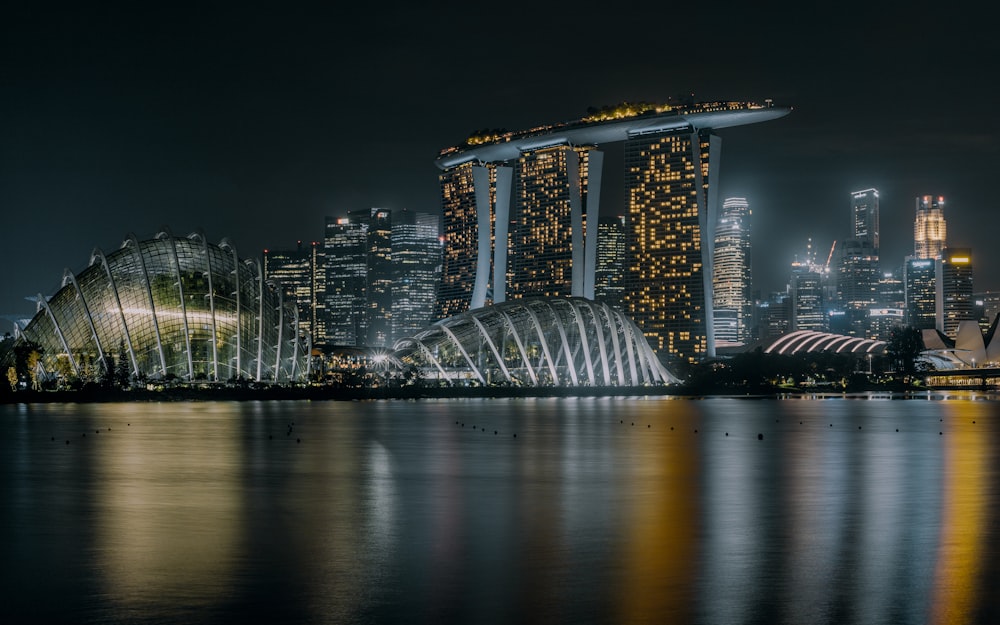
415 393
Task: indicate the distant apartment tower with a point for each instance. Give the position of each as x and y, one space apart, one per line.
733 306
920 290
609 273
954 289
774 316
858 270
295 272
345 245
807 304
416 270
929 228
864 216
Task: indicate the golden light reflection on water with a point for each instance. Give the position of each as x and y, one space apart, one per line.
661 555
959 562
168 528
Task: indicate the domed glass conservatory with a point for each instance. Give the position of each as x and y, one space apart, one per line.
172 307
538 341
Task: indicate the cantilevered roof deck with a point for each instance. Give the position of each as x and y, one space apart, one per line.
510 145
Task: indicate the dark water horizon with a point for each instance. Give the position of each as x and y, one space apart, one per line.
867 509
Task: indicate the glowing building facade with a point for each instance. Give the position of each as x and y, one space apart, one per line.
732 279
930 231
468 196
609 274
295 271
548 223
668 223
954 302
416 263
864 217
345 246
920 284
170 307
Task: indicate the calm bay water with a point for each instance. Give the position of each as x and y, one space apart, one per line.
653 510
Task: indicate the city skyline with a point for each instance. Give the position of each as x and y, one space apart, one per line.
257 126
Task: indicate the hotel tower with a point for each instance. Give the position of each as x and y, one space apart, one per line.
521 209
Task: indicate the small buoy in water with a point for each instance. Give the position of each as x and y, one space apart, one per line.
494 432
727 433
648 425
859 427
940 433
760 437
696 431
67 442
53 438
671 427
897 429
515 436
298 440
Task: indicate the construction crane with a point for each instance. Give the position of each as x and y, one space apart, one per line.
830 256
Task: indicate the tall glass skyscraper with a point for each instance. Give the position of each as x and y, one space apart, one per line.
732 272
954 289
858 271
864 217
930 232
416 263
610 271
346 248
295 271
920 284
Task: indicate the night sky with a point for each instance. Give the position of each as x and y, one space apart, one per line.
255 124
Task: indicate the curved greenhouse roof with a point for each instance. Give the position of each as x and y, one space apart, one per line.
809 341
537 342
171 307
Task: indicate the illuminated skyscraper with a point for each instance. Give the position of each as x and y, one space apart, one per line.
548 223
732 280
669 214
858 271
346 247
668 289
929 228
416 262
610 270
920 283
864 217
468 237
806 289
954 289
295 271
378 287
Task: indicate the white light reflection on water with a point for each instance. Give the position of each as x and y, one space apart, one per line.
598 511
